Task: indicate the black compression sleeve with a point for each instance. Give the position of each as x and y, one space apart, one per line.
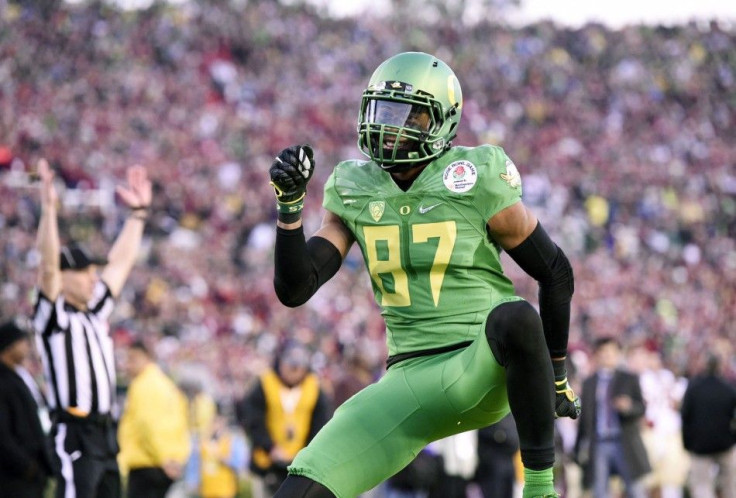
545 262
300 266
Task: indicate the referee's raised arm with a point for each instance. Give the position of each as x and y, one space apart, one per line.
137 195
49 272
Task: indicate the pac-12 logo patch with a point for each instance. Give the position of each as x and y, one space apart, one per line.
460 176
377 208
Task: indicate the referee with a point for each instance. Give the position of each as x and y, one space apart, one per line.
72 333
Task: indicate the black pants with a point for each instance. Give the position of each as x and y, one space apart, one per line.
86 453
148 482
22 488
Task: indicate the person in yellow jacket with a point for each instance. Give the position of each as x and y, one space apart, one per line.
153 432
281 414
201 405
218 460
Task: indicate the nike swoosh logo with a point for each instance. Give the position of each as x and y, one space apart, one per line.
427 209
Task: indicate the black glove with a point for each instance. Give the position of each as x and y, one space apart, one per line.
290 172
567 403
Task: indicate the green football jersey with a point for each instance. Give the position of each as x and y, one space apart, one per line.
435 271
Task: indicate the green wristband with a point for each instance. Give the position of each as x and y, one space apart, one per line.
290 212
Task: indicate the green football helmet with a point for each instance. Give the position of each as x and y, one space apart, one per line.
410 111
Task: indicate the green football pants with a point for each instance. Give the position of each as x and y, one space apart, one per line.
382 428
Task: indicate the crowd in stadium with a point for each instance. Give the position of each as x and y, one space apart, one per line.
625 140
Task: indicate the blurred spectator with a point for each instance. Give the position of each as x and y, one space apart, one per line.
709 433
282 413
568 481
6 157
498 448
218 461
201 406
661 432
422 478
153 431
609 439
25 455
356 374
459 463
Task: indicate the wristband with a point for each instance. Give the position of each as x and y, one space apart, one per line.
290 212
139 212
138 217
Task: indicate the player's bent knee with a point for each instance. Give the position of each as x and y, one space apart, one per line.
513 326
302 487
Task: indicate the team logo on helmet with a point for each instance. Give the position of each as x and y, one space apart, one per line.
460 176
377 208
398 85
439 144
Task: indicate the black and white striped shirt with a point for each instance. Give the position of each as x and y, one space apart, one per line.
77 352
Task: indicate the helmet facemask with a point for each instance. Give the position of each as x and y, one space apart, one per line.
410 111
399 131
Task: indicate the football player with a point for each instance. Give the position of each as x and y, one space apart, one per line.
431 220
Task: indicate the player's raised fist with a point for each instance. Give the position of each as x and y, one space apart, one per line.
291 171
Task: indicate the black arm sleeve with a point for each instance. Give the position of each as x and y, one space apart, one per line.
547 264
300 266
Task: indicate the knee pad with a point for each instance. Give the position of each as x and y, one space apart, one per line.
512 327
